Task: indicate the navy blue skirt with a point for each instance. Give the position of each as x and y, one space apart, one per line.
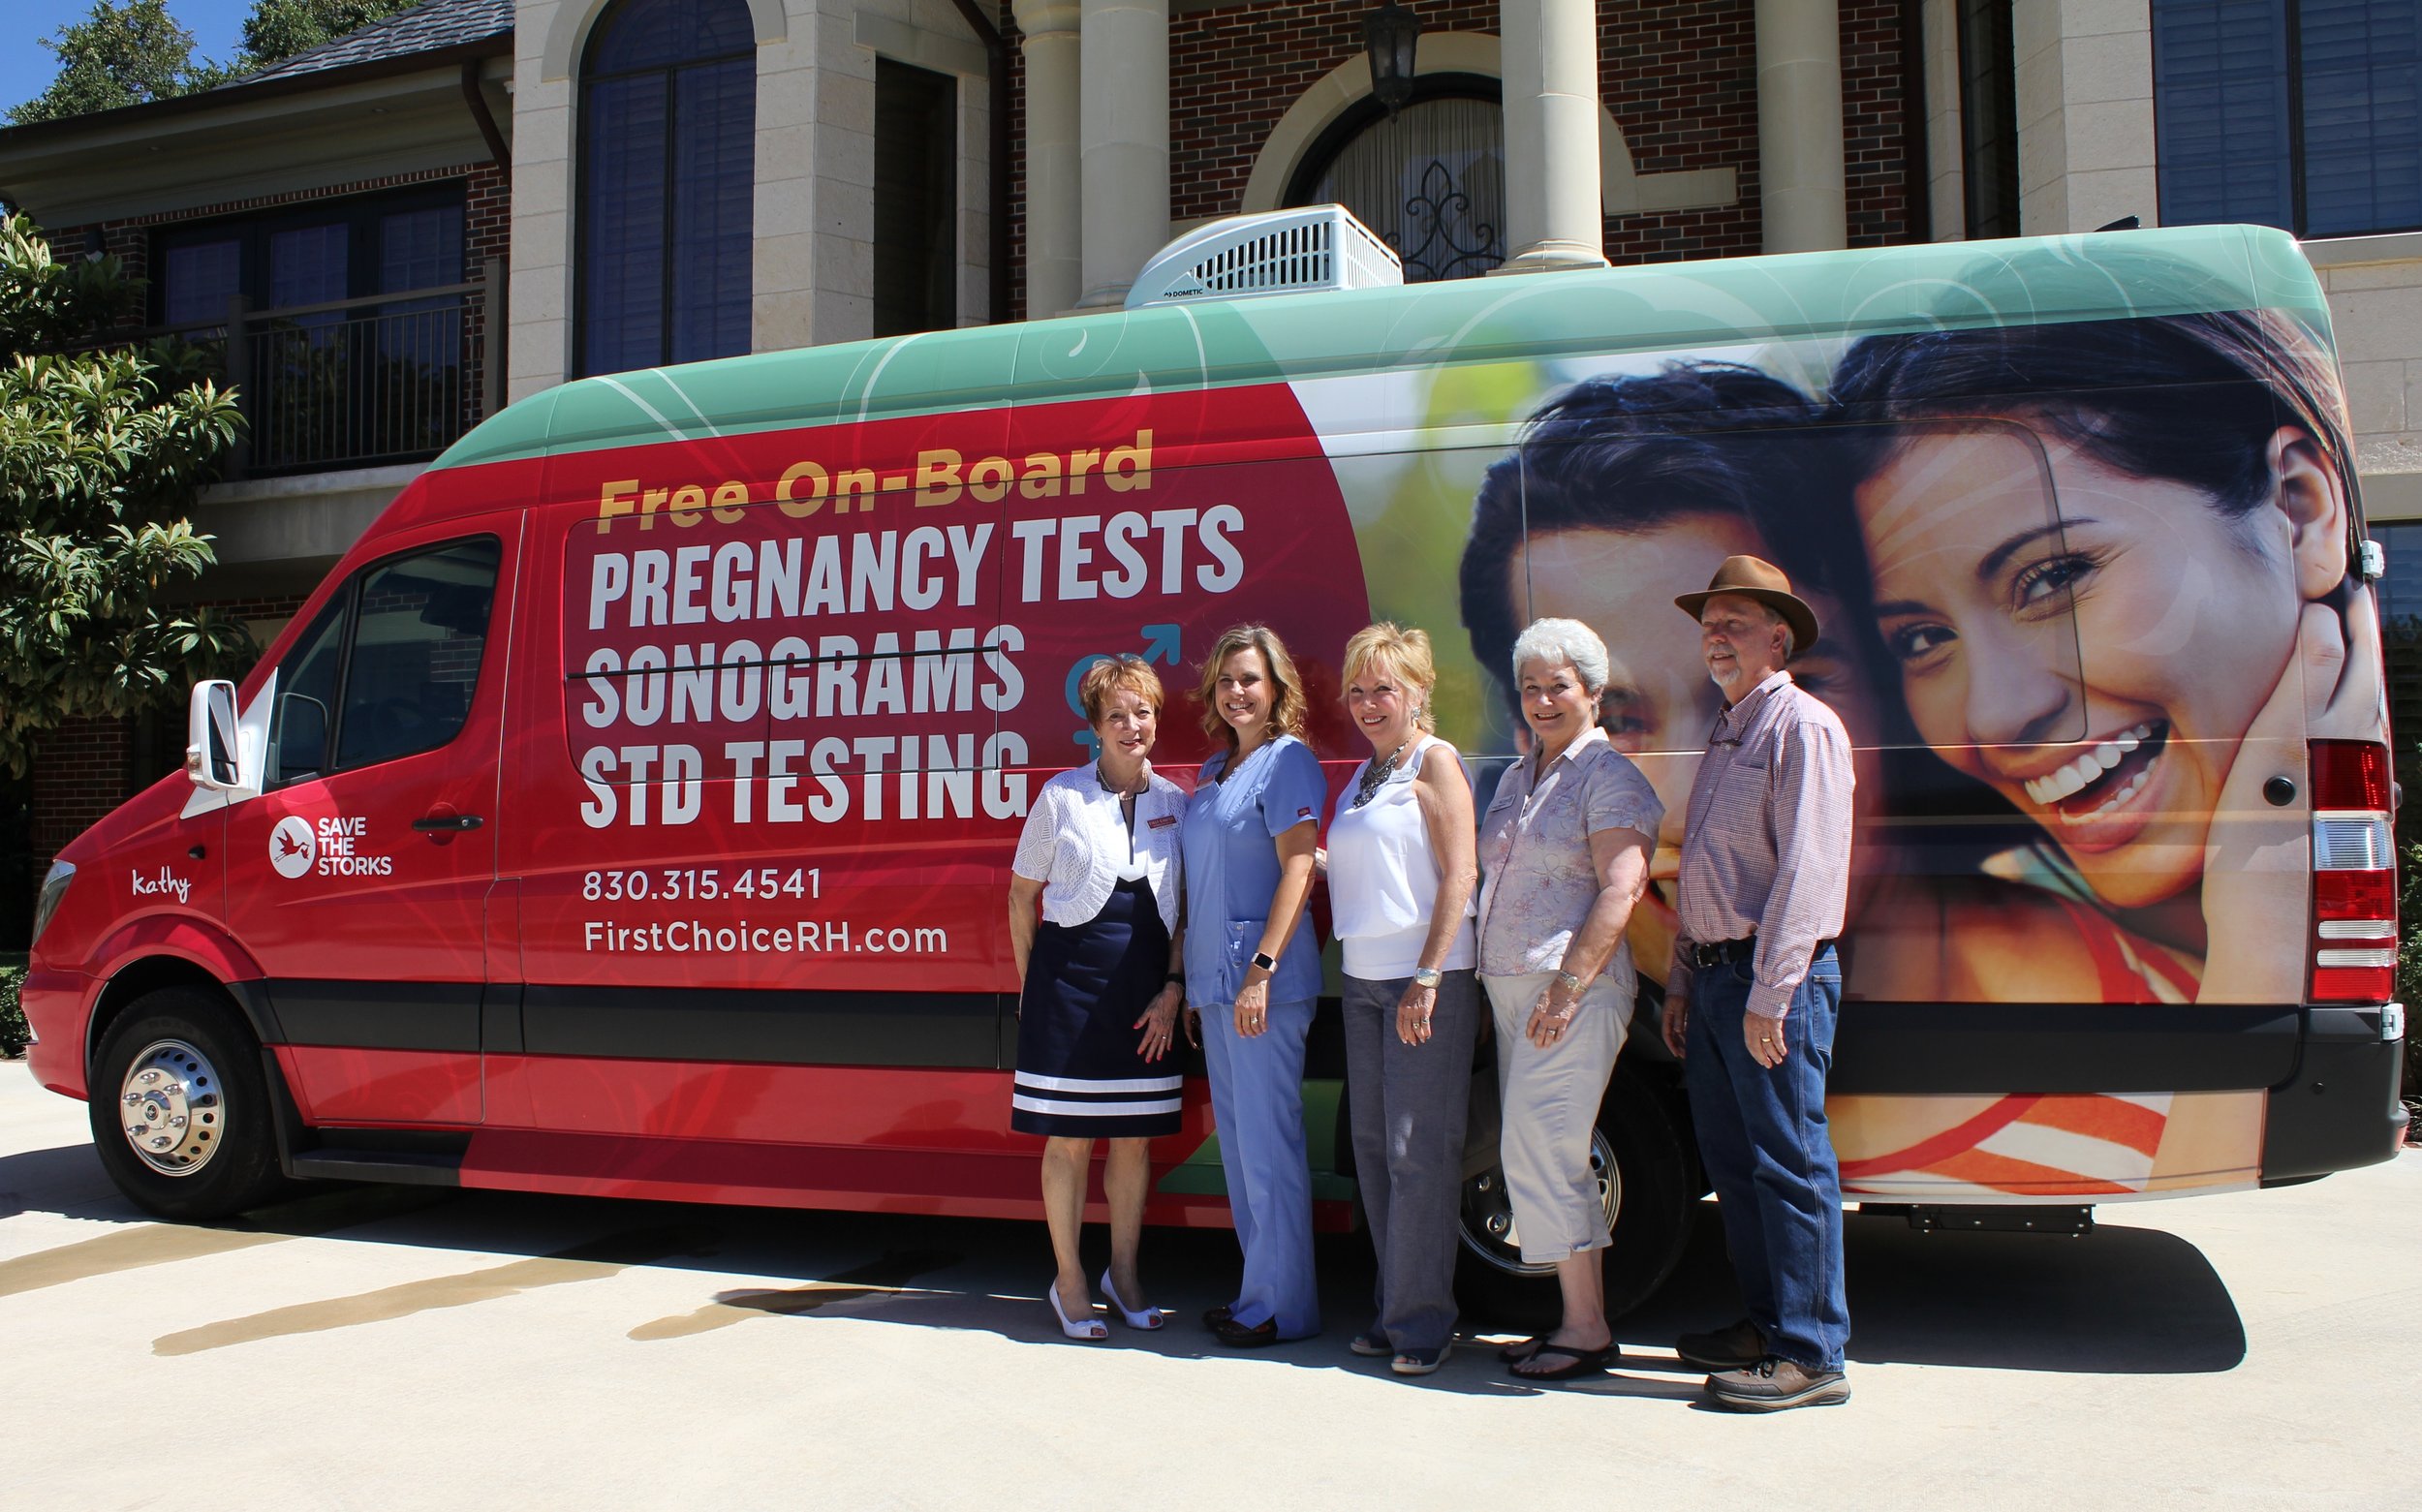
1079 1073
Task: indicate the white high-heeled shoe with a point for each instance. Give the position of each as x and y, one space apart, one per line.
1148 1319
1090 1330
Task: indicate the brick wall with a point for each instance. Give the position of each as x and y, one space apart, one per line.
1235 70
79 775
1680 76
87 767
486 233
1878 135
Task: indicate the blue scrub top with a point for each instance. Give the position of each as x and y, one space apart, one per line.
1231 846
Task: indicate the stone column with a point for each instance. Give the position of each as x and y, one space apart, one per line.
1800 193
1553 214
1125 129
1054 201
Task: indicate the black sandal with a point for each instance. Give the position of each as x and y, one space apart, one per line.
1517 1352
1585 1362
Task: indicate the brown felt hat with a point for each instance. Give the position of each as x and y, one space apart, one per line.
1753 578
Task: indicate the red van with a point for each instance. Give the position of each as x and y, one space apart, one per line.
630 811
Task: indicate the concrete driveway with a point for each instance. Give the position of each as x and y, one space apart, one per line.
388 1348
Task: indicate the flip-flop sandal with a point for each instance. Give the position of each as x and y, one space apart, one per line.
1422 1362
1523 1350
1585 1362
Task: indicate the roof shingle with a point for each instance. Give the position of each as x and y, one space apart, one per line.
428 28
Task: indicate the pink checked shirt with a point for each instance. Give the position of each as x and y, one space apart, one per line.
1766 840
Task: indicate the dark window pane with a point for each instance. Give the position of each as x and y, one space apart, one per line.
667 123
1431 181
916 254
415 652
420 249
644 34
715 182
2220 101
2363 137
624 189
198 278
304 715
1988 118
307 265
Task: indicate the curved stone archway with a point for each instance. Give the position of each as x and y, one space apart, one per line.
569 32
1623 190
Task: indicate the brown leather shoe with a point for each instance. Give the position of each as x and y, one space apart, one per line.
1775 1383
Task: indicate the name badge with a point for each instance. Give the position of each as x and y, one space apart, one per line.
1163 822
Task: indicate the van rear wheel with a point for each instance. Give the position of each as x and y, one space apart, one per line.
180 1109
1639 1153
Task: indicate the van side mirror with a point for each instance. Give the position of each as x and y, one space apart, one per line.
212 745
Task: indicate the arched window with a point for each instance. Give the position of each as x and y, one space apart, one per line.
1430 179
667 179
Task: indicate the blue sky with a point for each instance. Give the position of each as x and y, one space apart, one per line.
26 70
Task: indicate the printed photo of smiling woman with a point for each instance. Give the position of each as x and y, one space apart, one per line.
2129 669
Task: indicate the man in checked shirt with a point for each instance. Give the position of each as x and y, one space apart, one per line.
1754 990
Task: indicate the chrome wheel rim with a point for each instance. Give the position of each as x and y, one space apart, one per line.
1487 1225
170 1109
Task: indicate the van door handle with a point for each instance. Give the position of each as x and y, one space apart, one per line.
447 822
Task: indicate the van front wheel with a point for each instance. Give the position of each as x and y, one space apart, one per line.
180 1109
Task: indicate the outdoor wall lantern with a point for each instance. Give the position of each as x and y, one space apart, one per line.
1388 36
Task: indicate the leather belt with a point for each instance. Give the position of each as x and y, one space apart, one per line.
1723 952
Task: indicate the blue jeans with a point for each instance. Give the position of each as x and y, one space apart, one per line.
1769 1156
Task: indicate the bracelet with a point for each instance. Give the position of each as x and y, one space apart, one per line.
1569 981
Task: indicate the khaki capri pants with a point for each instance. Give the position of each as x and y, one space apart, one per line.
1549 1101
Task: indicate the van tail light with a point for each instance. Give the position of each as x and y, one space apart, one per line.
2354 874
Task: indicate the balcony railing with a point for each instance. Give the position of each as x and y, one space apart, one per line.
383 379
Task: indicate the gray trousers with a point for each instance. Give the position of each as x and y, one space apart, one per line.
1550 1100
1408 1105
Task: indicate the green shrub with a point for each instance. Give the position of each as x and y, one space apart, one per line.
2409 973
12 1031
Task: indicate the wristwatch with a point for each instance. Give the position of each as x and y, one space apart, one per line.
1265 960
1570 982
1427 976
1176 980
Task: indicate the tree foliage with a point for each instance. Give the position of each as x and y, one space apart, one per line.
278 29
99 455
125 53
130 51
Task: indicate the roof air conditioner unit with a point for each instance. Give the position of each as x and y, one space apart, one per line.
1283 252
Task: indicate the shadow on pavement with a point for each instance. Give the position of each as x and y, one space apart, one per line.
65 1179
2121 1301
2124 1301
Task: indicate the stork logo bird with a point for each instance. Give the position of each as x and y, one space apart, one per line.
291 845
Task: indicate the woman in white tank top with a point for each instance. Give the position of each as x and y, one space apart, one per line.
1402 874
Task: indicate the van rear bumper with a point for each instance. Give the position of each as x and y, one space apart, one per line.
2341 1109
2332 1078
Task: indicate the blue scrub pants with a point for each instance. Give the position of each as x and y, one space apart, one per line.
1257 1096
1769 1154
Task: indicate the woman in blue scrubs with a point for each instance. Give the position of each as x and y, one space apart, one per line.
1253 970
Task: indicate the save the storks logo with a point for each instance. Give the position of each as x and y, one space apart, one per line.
291 846
332 847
